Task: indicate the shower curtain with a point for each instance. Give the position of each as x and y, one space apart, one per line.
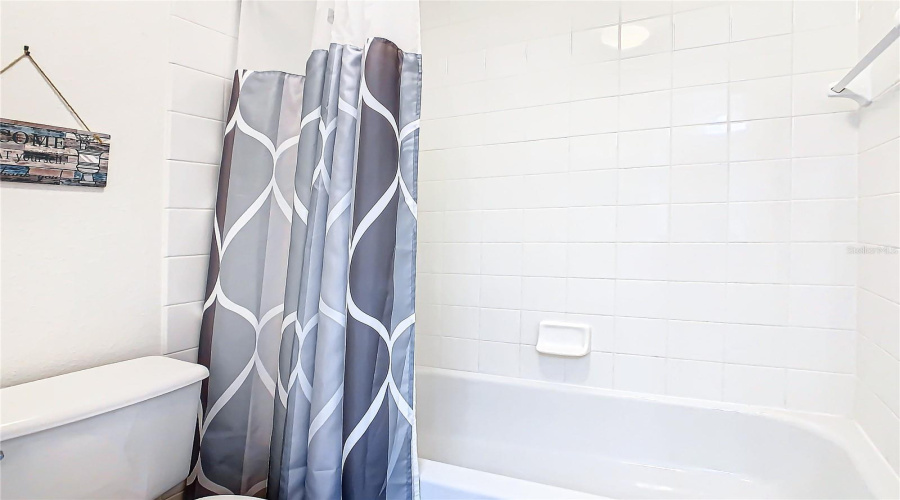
308 327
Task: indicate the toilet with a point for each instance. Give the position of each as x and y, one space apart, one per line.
123 430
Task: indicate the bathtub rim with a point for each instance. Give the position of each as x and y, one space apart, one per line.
842 431
476 482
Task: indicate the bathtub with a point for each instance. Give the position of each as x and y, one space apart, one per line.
440 481
488 437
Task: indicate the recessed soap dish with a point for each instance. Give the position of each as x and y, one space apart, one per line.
564 339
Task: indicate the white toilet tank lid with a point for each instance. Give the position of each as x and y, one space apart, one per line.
55 401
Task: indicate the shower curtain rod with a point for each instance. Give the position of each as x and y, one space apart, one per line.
880 47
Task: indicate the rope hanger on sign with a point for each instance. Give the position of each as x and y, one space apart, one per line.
27 55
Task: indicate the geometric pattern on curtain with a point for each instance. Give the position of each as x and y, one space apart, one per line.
344 422
308 327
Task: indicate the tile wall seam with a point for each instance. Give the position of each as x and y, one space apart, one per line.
193 115
195 23
224 79
875 293
565 103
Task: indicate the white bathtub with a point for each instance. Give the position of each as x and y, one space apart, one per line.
490 437
440 481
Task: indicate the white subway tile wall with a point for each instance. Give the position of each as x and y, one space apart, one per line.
201 65
877 404
672 174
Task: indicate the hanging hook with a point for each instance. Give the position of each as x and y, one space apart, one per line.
26 54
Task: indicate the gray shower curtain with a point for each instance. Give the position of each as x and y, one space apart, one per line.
308 328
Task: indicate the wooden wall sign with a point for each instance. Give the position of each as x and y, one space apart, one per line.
31 152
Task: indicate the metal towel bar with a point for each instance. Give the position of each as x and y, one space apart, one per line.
840 89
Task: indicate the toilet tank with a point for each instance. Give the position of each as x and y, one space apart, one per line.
120 431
